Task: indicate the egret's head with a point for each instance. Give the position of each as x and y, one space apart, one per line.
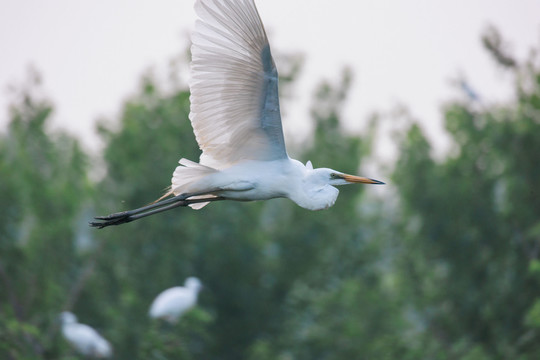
333 177
67 317
193 283
318 190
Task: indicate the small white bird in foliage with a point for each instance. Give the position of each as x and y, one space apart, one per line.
83 338
173 302
236 119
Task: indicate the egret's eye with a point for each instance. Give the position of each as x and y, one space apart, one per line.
334 175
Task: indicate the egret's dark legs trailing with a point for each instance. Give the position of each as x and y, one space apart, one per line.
164 205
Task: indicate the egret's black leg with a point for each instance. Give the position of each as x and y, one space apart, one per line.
123 214
164 205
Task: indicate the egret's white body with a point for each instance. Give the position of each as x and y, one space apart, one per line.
237 123
172 303
263 180
83 338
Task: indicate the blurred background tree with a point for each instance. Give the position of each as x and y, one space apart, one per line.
449 270
469 224
43 191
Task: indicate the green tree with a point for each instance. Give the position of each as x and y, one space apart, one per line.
43 190
474 214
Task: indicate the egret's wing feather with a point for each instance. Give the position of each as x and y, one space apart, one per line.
234 85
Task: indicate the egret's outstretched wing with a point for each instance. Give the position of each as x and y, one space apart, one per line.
234 85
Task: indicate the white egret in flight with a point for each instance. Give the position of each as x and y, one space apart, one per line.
83 338
237 123
173 302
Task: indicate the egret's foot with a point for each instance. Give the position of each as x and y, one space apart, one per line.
118 218
113 219
118 215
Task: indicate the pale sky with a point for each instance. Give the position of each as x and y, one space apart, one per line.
91 54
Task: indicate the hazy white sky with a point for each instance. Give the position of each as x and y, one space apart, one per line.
92 53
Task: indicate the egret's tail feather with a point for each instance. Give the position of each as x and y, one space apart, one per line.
185 178
168 192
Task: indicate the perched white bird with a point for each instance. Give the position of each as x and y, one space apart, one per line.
173 302
236 120
83 338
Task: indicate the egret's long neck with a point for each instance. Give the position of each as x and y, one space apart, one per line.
313 193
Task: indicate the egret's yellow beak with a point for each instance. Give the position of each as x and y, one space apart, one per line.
360 180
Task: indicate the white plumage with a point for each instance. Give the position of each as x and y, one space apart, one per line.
234 100
237 123
236 118
83 338
172 303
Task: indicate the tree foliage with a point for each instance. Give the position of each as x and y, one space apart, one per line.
476 216
43 190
